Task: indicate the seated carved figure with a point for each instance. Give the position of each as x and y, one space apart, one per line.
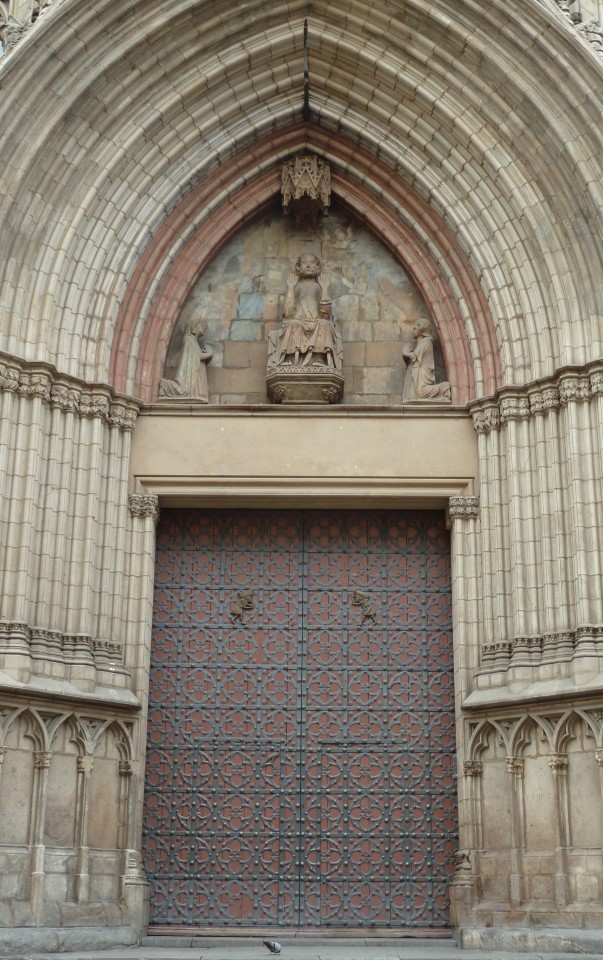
420 382
308 336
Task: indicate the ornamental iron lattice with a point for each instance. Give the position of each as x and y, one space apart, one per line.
300 762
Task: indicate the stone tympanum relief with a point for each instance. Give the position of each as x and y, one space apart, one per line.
240 300
305 355
190 382
420 382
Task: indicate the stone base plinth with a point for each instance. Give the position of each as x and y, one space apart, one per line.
312 384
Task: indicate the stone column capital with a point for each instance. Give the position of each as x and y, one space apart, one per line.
41 759
85 765
473 768
515 766
144 505
463 508
558 763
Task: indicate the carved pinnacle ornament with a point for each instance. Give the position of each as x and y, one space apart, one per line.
306 188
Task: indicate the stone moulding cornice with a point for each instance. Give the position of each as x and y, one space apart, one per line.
551 647
52 644
463 508
567 385
62 392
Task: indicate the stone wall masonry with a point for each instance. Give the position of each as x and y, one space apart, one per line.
65 455
533 781
73 775
541 608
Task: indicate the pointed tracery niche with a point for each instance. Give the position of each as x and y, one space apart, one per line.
372 328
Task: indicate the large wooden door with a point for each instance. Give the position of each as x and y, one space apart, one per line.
301 735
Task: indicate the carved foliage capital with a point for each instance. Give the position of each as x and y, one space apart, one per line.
463 508
596 383
515 407
85 765
34 385
568 385
473 768
9 378
486 419
65 393
541 401
41 759
515 766
574 389
144 505
558 763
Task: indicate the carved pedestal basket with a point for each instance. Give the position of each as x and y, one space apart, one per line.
312 384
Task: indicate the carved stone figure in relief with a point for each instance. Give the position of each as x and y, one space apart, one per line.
420 381
191 376
308 335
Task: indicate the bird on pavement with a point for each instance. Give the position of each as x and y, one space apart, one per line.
273 945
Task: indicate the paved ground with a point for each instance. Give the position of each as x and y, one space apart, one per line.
247 948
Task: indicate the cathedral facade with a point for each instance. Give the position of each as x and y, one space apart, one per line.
301 536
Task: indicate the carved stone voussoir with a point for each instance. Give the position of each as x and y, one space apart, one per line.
463 508
144 505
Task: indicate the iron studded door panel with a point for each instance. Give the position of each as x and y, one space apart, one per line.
300 761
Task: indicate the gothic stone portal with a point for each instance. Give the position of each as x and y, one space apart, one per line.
301 732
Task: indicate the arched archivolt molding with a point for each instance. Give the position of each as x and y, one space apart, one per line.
411 230
488 112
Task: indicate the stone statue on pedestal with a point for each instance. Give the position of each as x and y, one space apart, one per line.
191 376
420 375
305 356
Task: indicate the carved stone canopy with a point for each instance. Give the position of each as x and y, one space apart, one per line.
306 188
